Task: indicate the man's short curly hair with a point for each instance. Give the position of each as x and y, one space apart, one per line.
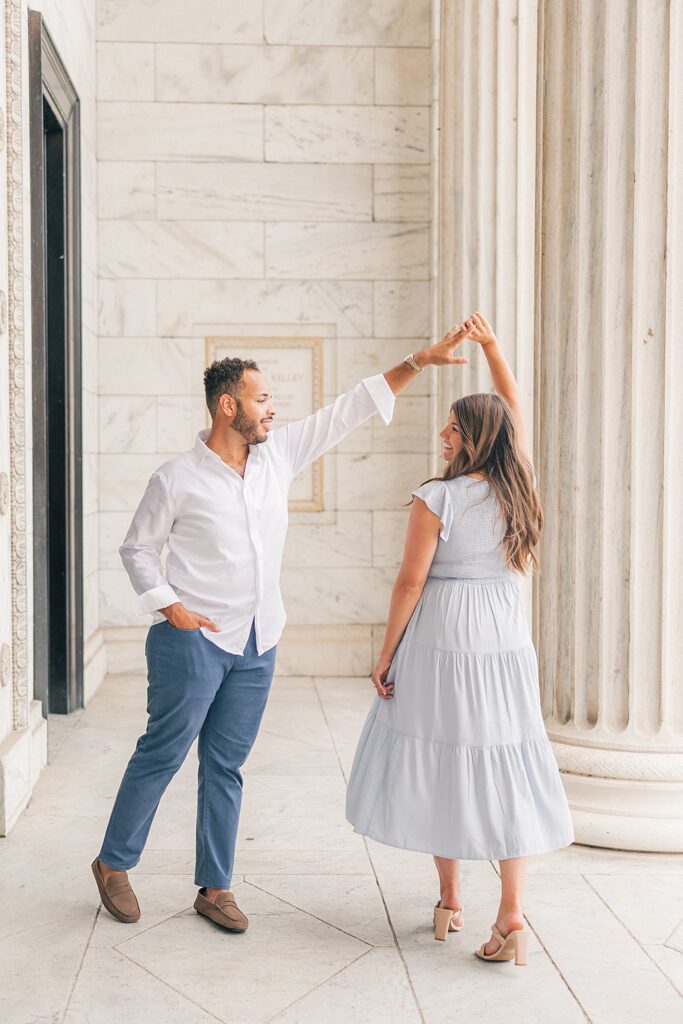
225 377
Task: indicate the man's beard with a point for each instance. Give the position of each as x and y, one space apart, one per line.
249 429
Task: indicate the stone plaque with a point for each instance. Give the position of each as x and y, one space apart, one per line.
294 367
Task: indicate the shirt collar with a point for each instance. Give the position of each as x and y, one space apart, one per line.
201 452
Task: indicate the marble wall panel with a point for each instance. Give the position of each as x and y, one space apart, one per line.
149 366
264 74
91 542
409 429
269 192
113 527
207 21
128 424
402 192
89 420
180 131
373 23
363 357
339 596
388 536
123 478
186 306
172 249
402 309
378 481
125 71
388 135
127 191
117 600
311 650
403 75
180 417
346 542
353 251
127 308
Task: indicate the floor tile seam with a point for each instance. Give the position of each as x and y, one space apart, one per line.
81 961
397 943
172 988
633 936
308 913
162 920
551 958
671 935
341 770
372 864
320 984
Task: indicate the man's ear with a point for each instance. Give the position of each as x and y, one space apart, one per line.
227 405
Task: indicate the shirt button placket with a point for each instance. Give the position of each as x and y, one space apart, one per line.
258 548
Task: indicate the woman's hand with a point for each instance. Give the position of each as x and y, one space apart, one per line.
379 677
441 354
479 329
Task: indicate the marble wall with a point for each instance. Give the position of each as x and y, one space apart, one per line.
265 170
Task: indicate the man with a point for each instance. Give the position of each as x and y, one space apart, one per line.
221 511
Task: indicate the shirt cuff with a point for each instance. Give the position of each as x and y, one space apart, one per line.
159 597
381 394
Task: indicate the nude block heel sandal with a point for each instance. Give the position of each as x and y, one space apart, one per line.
446 920
512 946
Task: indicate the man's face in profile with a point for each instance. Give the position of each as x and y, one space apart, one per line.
255 410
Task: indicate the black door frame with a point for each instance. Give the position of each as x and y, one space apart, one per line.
57 481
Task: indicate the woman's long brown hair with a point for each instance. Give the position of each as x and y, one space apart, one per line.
490 446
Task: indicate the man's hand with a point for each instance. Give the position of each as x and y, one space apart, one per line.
179 617
441 354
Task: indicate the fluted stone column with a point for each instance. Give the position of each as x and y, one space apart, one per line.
609 423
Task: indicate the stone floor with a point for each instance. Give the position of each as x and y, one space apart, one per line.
340 927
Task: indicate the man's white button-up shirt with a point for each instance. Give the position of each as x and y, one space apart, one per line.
225 533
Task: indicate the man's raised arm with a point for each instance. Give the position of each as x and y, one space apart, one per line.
303 441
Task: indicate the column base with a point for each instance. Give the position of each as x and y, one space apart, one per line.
625 814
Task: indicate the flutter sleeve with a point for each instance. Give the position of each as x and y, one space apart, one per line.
437 498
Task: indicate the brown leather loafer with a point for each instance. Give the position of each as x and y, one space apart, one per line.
117 895
224 911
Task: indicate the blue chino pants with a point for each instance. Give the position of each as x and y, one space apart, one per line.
195 689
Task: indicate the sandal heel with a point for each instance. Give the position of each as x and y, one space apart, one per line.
442 919
521 943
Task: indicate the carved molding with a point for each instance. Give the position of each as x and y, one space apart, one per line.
643 766
17 382
4 494
5 665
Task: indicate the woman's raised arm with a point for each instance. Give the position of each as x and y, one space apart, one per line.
480 330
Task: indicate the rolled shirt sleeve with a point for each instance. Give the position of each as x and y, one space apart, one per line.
303 441
143 544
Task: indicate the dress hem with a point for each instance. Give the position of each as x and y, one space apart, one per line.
461 856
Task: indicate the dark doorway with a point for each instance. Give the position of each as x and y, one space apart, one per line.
56 326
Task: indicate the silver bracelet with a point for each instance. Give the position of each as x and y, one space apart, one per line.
411 362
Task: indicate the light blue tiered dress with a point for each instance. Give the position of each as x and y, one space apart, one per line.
458 763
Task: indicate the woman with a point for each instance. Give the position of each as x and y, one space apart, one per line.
454 759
